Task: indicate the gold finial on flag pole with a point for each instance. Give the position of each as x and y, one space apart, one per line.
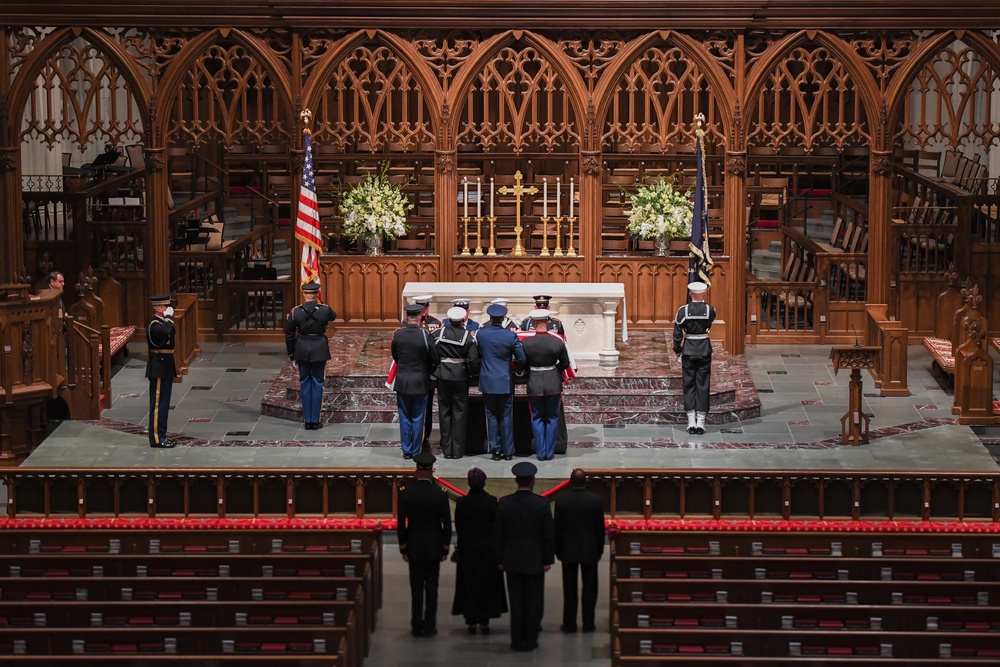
306 117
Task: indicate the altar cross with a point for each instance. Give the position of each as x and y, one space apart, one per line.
517 191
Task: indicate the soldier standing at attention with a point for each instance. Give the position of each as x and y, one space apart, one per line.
694 349
498 347
430 324
160 369
542 302
459 362
424 531
308 349
470 324
416 357
546 358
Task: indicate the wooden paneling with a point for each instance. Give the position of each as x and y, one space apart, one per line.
985 270
916 298
365 290
523 270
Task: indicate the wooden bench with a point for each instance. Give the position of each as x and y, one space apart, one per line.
946 336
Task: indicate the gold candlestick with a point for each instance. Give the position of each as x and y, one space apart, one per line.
479 237
570 252
545 236
558 251
465 248
493 250
517 190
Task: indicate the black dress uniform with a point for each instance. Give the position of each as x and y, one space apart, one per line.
307 345
424 531
416 358
691 326
160 371
546 359
459 360
525 549
579 528
542 301
430 324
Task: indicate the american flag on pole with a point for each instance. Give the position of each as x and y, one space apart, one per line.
307 229
701 259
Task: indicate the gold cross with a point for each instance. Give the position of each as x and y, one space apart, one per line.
517 191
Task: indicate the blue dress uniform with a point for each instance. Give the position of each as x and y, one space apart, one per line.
416 358
459 361
499 346
307 346
547 358
160 371
470 324
691 326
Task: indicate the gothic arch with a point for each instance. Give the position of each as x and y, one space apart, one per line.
173 78
24 83
604 92
871 99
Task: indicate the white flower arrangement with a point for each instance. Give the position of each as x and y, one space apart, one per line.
375 207
660 212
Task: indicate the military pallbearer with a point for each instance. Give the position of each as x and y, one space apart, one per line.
694 349
308 349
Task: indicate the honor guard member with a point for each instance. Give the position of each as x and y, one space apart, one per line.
547 358
430 324
525 551
308 349
470 324
416 358
498 347
424 532
555 325
459 362
694 349
160 369
506 322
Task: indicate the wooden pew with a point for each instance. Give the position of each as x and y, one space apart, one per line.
892 337
950 303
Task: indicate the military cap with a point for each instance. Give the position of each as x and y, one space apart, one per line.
697 287
413 309
423 300
496 310
542 300
539 314
524 469
424 460
456 314
160 300
460 303
501 301
310 288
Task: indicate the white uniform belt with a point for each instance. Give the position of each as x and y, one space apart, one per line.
542 368
450 360
696 336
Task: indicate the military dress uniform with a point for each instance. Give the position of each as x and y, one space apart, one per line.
424 531
308 346
470 324
160 371
459 360
498 347
546 359
691 340
555 326
416 358
430 324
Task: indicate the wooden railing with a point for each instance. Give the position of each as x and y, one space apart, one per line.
257 305
186 331
371 493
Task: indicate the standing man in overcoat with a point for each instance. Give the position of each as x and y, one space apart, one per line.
547 358
498 347
416 358
579 528
694 349
160 369
309 349
459 361
424 531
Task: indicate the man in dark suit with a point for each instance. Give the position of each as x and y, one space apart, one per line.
499 346
160 369
416 358
579 529
525 551
309 349
459 361
547 359
424 531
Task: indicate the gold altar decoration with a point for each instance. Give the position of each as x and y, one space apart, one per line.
517 191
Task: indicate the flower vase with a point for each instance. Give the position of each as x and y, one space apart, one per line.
661 247
374 244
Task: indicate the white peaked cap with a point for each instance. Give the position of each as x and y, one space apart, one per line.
456 313
501 301
540 314
697 287
426 298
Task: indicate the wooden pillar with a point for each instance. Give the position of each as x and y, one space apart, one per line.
446 224
879 223
588 225
11 231
734 303
157 250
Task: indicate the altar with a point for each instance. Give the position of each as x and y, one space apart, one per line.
587 310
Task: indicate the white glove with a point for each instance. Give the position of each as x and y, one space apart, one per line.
169 311
680 358
295 364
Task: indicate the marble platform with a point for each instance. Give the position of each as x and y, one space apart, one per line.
645 387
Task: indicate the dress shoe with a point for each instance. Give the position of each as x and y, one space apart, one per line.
309 426
485 629
317 426
407 456
165 444
429 632
448 456
692 430
568 629
589 628
496 456
472 629
508 457
700 430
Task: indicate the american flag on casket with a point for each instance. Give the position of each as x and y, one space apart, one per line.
568 374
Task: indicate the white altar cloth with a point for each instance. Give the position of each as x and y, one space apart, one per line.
587 310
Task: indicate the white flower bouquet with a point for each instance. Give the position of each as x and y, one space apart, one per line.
660 212
375 208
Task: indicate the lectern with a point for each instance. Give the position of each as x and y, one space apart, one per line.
854 424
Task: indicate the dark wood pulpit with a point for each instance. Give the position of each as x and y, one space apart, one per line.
854 424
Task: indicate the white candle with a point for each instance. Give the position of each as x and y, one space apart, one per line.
558 196
465 182
491 198
479 198
545 197
571 197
